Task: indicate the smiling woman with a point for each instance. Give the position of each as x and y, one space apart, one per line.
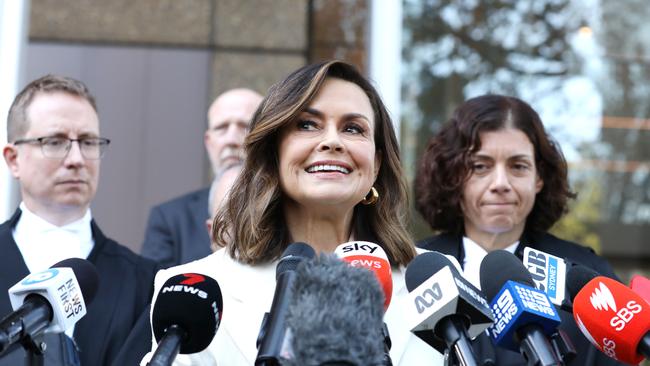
322 167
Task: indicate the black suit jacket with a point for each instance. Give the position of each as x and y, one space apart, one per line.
483 347
116 328
176 231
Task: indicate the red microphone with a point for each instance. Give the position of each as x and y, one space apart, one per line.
371 256
614 318
641 285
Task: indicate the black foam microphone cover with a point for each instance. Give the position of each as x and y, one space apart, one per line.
192 302
86 275
499 267
577 277
425 265
335 315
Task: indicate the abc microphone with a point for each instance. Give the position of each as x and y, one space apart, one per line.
273 330
613 317
186 316
335 316
524 315
50 301
448 309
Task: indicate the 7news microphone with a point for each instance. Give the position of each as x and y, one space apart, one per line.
335 316
185 316
448 310
524 315
613 317
363 254
50 301
273 330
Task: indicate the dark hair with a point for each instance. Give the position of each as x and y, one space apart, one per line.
17 121
251 224
446 163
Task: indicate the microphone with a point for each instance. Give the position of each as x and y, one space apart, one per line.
273 329
549 275
49 301
335 316
448 309
363 254
186 316
524 316
371 256
611 316
641 285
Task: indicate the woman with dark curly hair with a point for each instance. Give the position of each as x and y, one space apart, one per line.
492 178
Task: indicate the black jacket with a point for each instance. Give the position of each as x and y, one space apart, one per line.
484 350
176 231
116 329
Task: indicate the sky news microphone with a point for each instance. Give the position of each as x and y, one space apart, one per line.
274 328
186 316
641 285
335 316
613 317
371 256
525 318
50 301
364 254
448 310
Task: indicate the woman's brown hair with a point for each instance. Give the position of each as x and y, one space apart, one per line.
251 224
446 163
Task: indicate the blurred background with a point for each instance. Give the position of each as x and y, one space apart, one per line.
155 66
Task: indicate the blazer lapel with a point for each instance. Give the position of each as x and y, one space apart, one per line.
248 293
13 268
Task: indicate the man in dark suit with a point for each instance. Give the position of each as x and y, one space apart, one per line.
54 152
176 231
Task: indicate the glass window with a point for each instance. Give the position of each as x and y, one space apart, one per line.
584 65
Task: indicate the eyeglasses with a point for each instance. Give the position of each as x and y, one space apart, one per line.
57 147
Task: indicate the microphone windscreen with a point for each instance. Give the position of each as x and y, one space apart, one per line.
292 256
425 265
613 317
335 315
363 254
86 275
193 302
497 268
577 277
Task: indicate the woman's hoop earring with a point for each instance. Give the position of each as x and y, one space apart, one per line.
371 198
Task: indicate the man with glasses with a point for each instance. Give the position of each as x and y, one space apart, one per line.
54 152
175 231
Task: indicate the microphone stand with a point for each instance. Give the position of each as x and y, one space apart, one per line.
457 340
34 349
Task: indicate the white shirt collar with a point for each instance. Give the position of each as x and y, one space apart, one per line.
474 255
43 244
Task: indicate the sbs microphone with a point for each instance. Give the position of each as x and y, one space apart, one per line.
335 315
49 301
524 315
447 307
185 316
613 317
273 329
641 285
371 256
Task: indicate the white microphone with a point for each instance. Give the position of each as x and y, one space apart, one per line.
50 301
